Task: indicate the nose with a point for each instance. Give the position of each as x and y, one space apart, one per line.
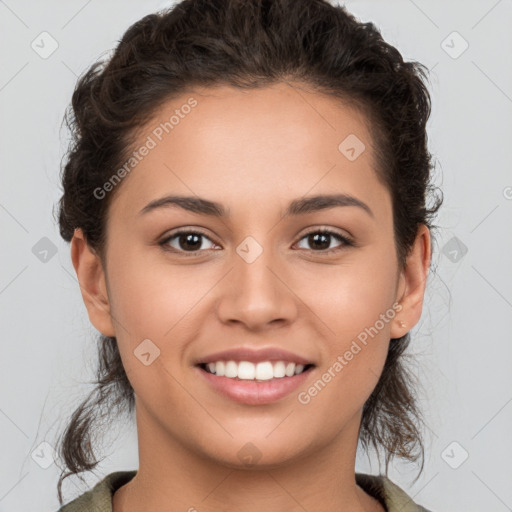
257 294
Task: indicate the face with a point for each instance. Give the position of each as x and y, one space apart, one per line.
278 276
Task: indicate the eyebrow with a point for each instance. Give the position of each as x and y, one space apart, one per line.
296 207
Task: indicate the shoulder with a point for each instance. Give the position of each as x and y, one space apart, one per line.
388 493
99 498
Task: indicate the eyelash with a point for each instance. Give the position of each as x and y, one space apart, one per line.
346 241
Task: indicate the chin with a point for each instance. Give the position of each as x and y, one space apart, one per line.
259 453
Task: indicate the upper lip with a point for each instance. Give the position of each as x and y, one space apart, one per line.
254 356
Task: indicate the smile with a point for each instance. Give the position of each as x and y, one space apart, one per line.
254 384
262 371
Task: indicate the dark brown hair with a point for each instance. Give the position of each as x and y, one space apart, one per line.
249 44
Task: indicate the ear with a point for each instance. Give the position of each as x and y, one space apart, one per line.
91 277
411 284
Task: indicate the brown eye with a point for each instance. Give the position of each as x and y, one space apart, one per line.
320 241
185 241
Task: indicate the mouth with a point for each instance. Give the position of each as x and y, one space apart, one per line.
251 383
260 372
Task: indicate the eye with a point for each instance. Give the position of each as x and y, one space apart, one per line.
321 239
185 241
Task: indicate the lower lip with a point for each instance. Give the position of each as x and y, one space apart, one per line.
255 392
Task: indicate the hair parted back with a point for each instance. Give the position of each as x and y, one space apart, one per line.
249 44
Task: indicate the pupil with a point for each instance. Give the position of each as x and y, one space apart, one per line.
316 238
184 240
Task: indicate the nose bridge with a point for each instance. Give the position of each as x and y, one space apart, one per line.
256 294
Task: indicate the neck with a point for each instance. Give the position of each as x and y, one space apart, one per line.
174 477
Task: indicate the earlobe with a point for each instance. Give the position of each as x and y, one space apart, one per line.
412 283
91 277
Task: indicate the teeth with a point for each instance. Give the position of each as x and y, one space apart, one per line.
245 370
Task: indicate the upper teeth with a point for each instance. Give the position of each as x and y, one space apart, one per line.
246 370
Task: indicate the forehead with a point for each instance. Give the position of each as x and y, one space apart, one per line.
235 145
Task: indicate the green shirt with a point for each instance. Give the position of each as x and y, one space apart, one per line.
99 498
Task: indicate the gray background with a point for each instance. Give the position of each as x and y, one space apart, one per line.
462 344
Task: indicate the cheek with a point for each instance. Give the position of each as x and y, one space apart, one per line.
356 304
358 310
149 298
352 296
150 302
160 302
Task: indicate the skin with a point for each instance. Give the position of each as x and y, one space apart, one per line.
254 152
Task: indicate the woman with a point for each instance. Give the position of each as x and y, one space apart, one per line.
245 197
